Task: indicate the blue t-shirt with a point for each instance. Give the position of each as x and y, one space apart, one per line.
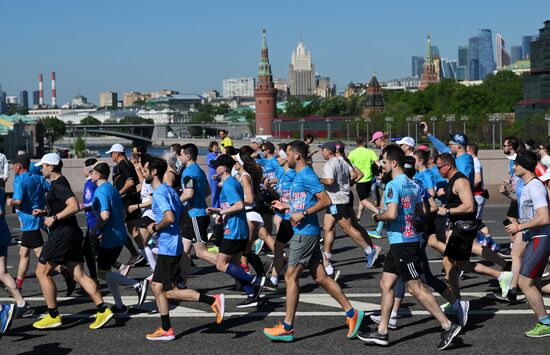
426 178
210 157
107 198
305 186
517 182
193 177
5 234
88 198
31 190
165 198
271 167
235 226
404 192
465 164
283 188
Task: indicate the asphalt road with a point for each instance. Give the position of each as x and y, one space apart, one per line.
320 325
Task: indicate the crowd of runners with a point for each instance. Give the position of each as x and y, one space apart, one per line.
266 196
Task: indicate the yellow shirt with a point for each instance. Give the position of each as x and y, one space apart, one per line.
227 142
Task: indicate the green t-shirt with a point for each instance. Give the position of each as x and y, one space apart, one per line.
362 158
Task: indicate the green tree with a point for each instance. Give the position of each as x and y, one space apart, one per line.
90 120
55 126
79 146
201 117
135 120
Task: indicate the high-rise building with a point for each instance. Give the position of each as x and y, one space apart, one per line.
517 54
238 87
324 86
486 57
3 103
417 63
503 57
435 51
473 58
462 71
536 85
526 45
429 74
448 68
265 93
35 98
108 99
301 72
24 99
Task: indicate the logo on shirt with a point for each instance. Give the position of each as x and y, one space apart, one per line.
390 193
299 200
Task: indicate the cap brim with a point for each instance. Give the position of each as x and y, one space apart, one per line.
39 163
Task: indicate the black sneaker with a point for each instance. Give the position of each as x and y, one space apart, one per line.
71 285
23 311
505 252
511 297
119 311
250 301
270 286
375 338
141 290
447 336
259 284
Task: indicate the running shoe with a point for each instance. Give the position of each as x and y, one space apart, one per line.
505 282
6 315
540 330
141 290
135 259
213 249
270 286
505 252
249 302
124 269
101 319
270 268
335 274
447 336
258 245
546 273
119 311
375 338
372 256
48 322
4 289
161 334
462 313
219 307
447 308
279 333
375 234
259 283
23 311
354 323
511 297
392 324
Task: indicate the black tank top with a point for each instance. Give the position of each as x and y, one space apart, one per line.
453 200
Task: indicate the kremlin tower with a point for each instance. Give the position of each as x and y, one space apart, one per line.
265 94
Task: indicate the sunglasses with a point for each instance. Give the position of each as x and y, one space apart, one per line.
439 167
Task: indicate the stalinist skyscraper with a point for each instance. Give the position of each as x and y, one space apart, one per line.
301 72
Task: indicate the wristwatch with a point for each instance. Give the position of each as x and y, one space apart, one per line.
154 228
304 212
55 218
448 211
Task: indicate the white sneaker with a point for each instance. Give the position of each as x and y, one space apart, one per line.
392 324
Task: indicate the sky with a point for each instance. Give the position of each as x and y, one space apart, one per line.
191 46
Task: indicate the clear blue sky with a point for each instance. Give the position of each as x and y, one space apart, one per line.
191 46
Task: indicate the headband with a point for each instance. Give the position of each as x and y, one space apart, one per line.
238 159
282 154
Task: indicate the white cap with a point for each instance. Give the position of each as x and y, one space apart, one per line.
406 140
258 140
50 159
117 147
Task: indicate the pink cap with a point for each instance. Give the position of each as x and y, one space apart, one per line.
376 135
422 147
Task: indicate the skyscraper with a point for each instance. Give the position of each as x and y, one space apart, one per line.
526 45
301 72
448 68
462 69
265 93
3 104
517 54
473 58
429 74
417 66
24 99
238 87
35 98
503 57
486 57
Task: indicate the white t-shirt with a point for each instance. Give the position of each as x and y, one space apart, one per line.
146 195
546 161
338 170
533 196
478 169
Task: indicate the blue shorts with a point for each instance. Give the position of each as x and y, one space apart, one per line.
535 257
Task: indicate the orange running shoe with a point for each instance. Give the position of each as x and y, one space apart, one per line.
354 323
279 333
219 307
161 334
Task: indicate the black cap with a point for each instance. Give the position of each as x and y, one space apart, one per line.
22 159
223 160
103 169
90 162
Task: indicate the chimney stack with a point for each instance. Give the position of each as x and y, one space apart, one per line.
40 91
54 94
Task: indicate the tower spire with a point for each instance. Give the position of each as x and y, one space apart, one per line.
265 67
429 50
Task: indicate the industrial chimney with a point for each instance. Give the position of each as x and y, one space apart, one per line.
54 94
40 90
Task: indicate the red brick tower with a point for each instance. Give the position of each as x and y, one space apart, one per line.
375 98
265 94
429 74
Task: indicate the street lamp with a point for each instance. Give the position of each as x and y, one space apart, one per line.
416 120
347 129
495 118
450 119
278 122
433 119
464 119
329 132
409 119
389 121
367 121
302 128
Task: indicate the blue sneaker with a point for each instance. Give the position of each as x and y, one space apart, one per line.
372 256
6 315
375 234
258 245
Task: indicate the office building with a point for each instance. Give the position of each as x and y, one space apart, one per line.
108 99
503 57
417 63
448 68
24 99
462 69
241 87
486 58
3 103
526 45
516 54
301 72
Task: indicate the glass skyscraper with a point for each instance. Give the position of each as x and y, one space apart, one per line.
516 53
526 45
417 63
473 58
462 72
486 58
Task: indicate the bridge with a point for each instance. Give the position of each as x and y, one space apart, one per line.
139 134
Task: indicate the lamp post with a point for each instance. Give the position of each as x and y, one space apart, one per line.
409 119
302 128
464 119
367 122
329 131
278 122
416 120
347 129
389 121
450 119
433 119
495 118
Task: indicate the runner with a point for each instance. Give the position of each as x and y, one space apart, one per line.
89 248
213 152
407 144
307 197
534 227
64 246
167 210
403 202
363 159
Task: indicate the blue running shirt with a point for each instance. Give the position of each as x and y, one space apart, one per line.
107 198
305 186
31 190
404 192
193 177
165 198
235 226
